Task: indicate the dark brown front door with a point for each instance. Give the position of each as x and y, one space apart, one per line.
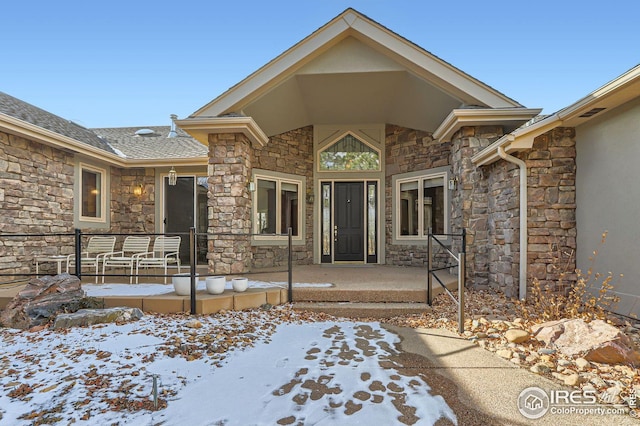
179 211
349 222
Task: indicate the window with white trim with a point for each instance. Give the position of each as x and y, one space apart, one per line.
420 205
349 154
92 190
277 205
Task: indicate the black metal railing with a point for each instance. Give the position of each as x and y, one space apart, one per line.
461 265
76 241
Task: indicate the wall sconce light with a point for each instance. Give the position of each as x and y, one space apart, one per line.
453 183
138 190
310 196
251 186
173 177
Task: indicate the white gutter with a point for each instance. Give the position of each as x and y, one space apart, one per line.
523 218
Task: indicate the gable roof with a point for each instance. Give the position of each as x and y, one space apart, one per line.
25 112
352 70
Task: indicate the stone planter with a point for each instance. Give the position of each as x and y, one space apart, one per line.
240 284
182 284
216 285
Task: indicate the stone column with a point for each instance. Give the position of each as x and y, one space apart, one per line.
471 199
229 205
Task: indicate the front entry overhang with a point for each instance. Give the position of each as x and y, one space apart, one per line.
351 70
200 128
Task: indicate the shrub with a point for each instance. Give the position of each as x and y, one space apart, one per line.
588 298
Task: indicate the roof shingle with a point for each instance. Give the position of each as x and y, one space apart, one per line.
31 114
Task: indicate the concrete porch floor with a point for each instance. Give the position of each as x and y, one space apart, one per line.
352 287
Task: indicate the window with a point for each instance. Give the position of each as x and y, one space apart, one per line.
278 205
349 154
420 205
92 193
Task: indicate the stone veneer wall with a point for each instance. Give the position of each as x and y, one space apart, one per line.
487 204
132 213
36 196
230 164
470 200
552 207
292 153
503 226
408 150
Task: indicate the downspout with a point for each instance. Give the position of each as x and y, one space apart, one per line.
523 218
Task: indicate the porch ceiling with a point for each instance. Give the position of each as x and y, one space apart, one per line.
396 97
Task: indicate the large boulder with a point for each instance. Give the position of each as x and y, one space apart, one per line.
41 299
595 341
85 317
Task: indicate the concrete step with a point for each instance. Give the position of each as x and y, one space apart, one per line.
362 310
359 295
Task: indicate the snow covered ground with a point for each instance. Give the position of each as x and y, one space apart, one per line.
237 368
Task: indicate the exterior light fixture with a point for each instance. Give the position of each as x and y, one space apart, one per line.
138 190
453 184
173 177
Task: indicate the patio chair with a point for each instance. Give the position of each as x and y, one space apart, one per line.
132 249
166 251
98 248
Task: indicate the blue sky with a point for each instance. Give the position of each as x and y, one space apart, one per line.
124 63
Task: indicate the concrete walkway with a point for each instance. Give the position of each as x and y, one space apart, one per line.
481 381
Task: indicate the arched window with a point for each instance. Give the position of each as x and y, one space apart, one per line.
349 154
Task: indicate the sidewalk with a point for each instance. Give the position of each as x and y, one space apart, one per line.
484 382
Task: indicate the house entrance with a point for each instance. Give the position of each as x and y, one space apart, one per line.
349 222
185 206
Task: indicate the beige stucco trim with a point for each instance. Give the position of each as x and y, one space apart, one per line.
459 118
200 128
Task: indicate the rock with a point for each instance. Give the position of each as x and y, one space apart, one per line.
532 357
598 381
481 335
549 331
504 353
516 335
564 362
41 299
572 380
611 395
85 317
194 324
546 351
596 341
540 368
582 363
